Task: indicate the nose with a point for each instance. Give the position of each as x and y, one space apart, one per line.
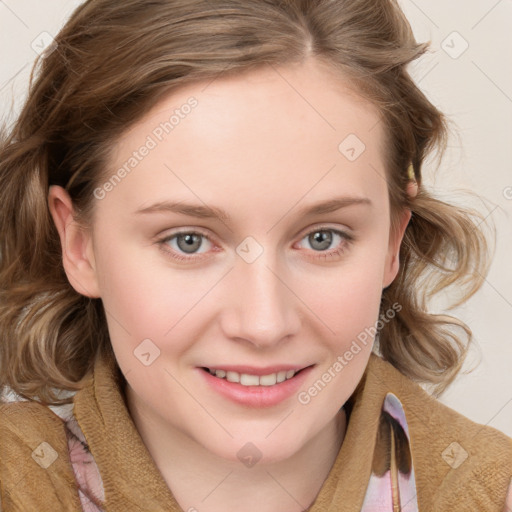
262 309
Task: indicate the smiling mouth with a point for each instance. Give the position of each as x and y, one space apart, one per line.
246 379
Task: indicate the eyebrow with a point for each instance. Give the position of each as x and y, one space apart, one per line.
212 212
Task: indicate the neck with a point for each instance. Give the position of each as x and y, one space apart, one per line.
201 480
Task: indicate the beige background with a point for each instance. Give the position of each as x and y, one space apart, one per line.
468 75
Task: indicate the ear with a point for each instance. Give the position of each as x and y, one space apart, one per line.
395 240
76 243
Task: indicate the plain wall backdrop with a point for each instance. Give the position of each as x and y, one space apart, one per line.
467 75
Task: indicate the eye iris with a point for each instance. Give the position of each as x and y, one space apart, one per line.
324 237
192 242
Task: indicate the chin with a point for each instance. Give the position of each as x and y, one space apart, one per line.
254 452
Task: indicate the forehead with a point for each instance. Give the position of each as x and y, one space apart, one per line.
291 130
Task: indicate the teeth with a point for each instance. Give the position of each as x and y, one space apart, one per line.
254 380
249 380
268 380
232 377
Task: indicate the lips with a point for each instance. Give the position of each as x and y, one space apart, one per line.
244 389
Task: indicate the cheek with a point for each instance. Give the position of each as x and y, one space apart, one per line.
348 310
348 298
143 299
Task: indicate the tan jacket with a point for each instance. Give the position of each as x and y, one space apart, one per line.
457 465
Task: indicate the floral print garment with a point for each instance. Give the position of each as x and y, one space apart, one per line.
392 486
87 475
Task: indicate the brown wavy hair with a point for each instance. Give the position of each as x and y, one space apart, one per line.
113 61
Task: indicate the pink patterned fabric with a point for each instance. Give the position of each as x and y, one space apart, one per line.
87 475
88 478
379 493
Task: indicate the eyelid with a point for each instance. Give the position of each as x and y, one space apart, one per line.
161 241
348 238
185 231
306 231
325 227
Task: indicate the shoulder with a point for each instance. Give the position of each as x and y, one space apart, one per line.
434 420
24 420
34 459
456 460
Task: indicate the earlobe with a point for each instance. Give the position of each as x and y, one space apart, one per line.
395 241
76 244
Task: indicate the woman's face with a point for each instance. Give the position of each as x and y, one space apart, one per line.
249 231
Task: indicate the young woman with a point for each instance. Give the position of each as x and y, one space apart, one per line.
216 254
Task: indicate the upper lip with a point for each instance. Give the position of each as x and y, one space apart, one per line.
253 370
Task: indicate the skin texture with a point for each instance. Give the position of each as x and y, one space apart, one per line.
262 146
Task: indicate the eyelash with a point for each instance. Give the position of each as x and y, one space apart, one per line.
348 239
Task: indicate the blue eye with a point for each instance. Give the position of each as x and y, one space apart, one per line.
184 245
186 241
322 238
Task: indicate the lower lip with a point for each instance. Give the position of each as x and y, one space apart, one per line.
257 396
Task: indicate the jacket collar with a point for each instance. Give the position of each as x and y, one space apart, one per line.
132 481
